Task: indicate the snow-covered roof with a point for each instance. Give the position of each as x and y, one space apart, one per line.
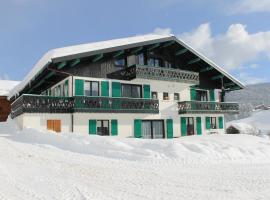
89 49
6 86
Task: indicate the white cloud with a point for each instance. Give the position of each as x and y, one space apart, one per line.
250 6
231 50
162 31
246 78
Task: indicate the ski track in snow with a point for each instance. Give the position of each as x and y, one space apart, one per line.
35 168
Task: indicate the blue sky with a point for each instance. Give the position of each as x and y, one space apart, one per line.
233 33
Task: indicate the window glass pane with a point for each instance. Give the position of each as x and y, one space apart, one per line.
141 59
120 62
165 96
126 90
154 95
146 129
94 89
136 91
86 88
157 63
157 127
201 95
151 62
176 96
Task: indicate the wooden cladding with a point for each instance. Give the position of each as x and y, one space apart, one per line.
4 108
54 125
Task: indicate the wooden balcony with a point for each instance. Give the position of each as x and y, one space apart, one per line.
207 107
155 73
48 104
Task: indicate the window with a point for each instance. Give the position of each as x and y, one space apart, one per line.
103 127
154 95
91 88
166 96
190 126
132 91
201 95
153 62
65 90
54 125
140 59
176 96
213 122
153 129
167 64
120 62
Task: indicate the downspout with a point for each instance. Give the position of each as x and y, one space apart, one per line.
69 74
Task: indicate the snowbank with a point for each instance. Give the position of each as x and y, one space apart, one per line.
6 86
257 124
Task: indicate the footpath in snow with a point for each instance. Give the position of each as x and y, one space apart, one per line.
43 165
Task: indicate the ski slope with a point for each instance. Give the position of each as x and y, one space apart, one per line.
43 165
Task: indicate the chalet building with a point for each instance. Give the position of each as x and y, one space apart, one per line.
149 86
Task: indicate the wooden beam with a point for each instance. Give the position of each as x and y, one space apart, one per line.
180 52
119 53
135 51
229 84
98 57
207 69
168 43
217 77
153 46
193 61
75 62
61 65
49 75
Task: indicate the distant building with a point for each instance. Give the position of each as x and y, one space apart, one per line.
149 86
5 87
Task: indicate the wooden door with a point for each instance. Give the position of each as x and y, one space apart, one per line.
50 125
57 126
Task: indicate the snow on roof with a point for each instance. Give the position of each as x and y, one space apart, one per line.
6 86
96 46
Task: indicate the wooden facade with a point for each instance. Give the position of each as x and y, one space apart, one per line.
4 108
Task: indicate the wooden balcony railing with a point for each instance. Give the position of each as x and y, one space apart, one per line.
155 73
207 107
48 104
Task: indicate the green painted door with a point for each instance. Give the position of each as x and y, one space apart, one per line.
220 123
207 123
137 128
192 94
105 88
212 95
92 127
146 91
114 127
79 87
169 128
183 126
199 125
116 89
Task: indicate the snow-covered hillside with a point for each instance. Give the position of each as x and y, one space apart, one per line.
6 86
36 165
257 124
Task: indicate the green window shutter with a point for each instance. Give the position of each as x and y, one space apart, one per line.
114 127
138 128
169 128
66 89
220 122
116 89
207 123
92 127
199 125
104 88
146 91
192 94
183 126
212 95
79 87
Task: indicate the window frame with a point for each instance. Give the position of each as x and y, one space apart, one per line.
131 88
91 90
215 124
202 90
177 94
152 93
168 96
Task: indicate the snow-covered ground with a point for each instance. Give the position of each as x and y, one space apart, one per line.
6 86
43 165
257 124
